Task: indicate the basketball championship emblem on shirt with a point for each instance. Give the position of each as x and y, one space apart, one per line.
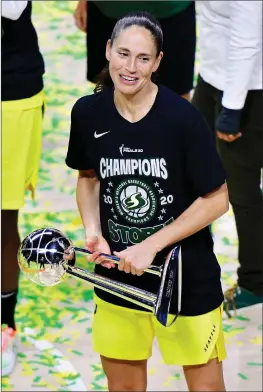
135 201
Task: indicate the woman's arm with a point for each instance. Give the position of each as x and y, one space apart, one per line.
81 14
200 214
88 188
244 46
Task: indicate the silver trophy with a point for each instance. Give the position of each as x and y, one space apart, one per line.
42 259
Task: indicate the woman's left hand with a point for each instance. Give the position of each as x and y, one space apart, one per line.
136 258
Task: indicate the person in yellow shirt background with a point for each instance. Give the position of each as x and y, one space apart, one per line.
22 116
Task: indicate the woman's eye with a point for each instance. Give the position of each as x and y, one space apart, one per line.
144 59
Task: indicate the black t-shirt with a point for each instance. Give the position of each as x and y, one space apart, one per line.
22 63
150 172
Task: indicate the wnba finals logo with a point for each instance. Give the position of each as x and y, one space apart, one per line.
135 201
127 149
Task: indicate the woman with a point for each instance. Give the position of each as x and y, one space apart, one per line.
177 19
149 177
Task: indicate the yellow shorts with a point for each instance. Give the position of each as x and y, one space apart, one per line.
128 334
21 148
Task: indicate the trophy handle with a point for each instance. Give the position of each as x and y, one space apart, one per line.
153 269
171 275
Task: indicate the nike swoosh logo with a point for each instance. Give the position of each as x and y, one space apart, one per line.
97 135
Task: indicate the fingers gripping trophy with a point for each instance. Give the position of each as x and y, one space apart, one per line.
44 259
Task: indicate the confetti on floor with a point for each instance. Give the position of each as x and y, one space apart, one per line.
54 324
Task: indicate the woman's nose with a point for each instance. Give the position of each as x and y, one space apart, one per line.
131 65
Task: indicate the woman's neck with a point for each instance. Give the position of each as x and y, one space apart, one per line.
135 107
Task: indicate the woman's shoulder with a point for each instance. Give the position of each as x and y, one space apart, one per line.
176 107
92 102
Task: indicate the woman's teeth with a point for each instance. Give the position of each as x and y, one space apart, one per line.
129 78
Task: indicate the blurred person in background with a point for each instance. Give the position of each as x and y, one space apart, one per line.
22 116
177 19
229 94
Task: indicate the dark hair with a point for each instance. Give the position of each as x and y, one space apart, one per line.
142 19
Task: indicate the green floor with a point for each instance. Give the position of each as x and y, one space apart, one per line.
54 324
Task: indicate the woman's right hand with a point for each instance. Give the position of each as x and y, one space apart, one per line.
81 15
98 245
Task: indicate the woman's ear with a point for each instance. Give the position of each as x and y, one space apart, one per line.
157 62
108 50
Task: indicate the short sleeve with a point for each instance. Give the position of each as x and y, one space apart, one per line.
78 154
204 166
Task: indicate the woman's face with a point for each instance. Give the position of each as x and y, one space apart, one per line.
132 59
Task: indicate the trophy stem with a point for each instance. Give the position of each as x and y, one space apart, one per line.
153 269
137 296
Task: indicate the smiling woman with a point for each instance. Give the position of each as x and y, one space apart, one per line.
177 19
134 63
134 55
148 165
